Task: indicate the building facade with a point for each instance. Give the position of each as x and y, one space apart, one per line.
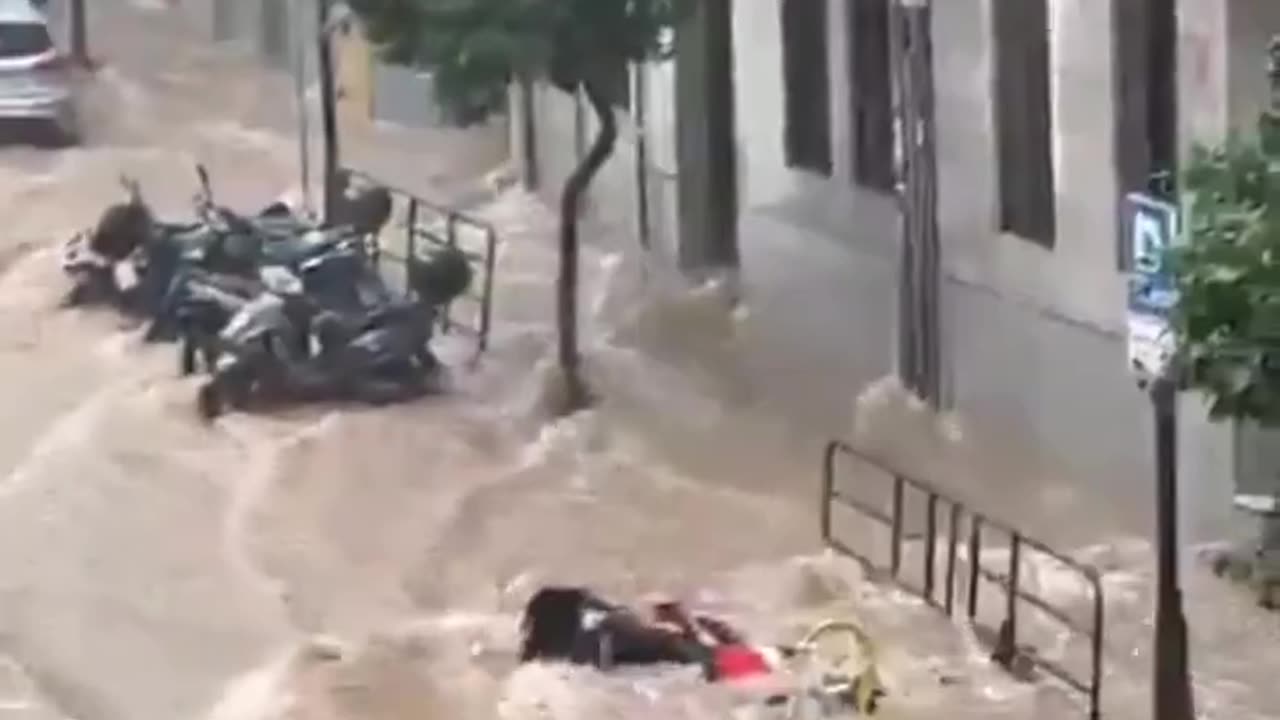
281 33
1048 112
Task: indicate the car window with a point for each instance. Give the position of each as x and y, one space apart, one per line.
21 39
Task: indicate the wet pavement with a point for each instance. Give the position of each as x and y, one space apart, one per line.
343 563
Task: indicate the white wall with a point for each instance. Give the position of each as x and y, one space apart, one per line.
1034 337
564 129
831 205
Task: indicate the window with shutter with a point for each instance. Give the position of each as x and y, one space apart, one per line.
1024 129
1144 41
871 94
620 86
807 90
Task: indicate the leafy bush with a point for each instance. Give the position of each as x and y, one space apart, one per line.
1228 275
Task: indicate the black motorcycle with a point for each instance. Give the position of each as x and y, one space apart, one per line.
299 345
377 359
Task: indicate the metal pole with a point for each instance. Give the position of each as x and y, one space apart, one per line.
639 110
1171 685
528 131
919 352
300 97
79 33
328 111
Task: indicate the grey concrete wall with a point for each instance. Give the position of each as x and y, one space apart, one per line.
403 96
564 128
1251 25
818 254
834 206
1034 337
273 29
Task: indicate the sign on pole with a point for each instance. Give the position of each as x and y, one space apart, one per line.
1152 226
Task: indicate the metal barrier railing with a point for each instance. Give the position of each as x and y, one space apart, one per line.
424 221
1007 650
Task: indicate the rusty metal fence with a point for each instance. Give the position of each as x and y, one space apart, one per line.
951 540
417 225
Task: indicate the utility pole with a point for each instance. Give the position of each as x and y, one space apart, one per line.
328 110
919 346
79 33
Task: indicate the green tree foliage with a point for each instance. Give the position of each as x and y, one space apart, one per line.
475 48
1228 275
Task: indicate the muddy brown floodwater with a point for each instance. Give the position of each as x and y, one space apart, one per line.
338 563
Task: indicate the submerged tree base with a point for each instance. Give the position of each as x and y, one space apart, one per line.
1253 568
562 394
577 396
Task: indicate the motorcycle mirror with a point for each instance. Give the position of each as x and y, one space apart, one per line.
131 188
203 173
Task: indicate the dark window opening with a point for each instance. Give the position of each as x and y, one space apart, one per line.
807 133
1162 98
275 32
1023 113
620 86
1144 45
871 96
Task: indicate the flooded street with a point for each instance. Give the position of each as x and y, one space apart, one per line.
340 563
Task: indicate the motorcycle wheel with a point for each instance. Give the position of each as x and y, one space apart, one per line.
187 355
238 393
209 401
91 289
77 296
381 392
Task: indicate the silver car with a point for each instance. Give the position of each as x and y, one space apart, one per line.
36 80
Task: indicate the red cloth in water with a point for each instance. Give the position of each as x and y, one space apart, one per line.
736 661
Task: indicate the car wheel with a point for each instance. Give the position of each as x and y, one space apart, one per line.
54 136
187 359
209 401
62 131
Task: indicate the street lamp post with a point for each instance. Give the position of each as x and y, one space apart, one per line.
1172 682
1153 227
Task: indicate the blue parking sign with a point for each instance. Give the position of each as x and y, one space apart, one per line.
1152 228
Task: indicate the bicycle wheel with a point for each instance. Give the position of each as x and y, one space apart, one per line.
838 649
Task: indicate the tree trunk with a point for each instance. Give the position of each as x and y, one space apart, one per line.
79 33
576 393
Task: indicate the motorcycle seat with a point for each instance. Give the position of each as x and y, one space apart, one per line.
299 248
193 234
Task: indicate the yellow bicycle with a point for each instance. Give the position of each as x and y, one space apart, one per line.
837 659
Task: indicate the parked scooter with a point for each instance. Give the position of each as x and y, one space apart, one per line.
376 355
202 304
92 258
262 359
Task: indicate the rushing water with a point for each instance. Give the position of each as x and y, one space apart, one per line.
350 563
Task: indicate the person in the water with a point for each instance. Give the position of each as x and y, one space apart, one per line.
577 626
572 624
